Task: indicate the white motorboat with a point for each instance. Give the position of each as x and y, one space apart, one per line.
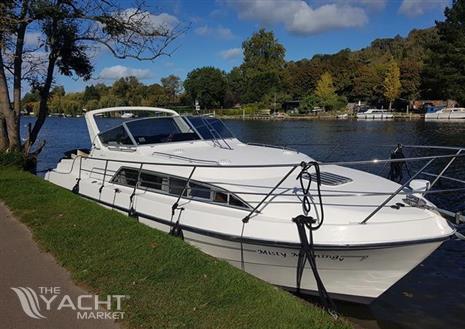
450 113
375 114
236 202
127 115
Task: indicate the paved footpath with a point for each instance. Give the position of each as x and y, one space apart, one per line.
23 264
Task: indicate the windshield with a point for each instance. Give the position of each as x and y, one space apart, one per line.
165 130
160 130
209 128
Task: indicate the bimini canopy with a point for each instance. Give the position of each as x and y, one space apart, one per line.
93 129
158 129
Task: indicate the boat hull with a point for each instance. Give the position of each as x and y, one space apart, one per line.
375 116
350 272
357 273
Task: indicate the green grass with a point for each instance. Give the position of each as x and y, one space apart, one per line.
171 284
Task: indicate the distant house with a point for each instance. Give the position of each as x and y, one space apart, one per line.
421 104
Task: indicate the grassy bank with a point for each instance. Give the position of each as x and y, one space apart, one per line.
171 284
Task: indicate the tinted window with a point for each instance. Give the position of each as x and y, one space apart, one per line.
159 130
200 191
116 136
177 186
234 201
126 176
210 128
220 197
174 186
151 181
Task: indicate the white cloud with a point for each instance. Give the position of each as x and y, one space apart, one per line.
219 32
120 71
150 21
368 4
231 53
412 8
298 17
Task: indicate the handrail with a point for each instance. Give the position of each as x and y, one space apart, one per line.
396 192
445 169
281 147
284 165
215 164
180 157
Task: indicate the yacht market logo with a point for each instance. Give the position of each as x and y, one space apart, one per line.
36 304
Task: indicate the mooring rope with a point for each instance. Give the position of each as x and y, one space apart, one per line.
304 222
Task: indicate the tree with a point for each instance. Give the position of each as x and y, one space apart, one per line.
410 78
325 91
235 87
392 82
172 85
68 32
263 65
444 74
308 103
206 85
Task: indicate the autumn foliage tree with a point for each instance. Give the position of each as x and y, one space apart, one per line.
68 33
392 82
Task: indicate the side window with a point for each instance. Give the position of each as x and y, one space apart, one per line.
177 185
151 181
174 186
200 191
220 197
126 176
234 201
115 136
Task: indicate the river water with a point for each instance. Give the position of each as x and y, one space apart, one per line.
433 294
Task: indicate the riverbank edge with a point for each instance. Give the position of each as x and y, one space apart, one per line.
399 117
171 284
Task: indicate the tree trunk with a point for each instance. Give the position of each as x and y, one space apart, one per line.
3 134
14 122
43 108
390 105
4 106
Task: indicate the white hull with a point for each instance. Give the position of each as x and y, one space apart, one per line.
359 275
375 116
355 273
445 116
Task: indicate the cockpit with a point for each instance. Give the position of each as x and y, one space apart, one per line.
155 130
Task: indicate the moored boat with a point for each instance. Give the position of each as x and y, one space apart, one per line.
449 113
236 202
375 114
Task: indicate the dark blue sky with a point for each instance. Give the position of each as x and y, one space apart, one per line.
305 28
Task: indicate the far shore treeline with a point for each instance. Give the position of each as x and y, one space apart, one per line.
427 64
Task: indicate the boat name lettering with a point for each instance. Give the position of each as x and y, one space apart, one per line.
284 254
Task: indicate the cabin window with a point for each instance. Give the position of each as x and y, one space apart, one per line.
126 176
116 136
200 191
175 186
234 201
150 181
220 197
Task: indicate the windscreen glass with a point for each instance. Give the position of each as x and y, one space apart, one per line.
160 130
209 128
